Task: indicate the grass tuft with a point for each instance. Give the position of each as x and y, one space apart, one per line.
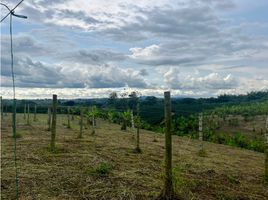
102 169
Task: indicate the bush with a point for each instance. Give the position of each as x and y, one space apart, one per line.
257 145
241 141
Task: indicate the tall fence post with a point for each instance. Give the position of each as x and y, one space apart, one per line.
266 152
35 110
68 117
28 115
168 192
54 123
81 123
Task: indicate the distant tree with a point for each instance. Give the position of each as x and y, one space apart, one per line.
69 103
133 100
112 98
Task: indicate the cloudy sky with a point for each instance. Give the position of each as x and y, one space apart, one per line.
88 48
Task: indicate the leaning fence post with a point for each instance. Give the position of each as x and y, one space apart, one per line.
54 122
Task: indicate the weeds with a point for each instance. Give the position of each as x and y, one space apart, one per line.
103 169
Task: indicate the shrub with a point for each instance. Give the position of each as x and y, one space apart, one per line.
241 140
257 145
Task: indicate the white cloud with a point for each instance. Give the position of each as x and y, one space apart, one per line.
210 82
201 46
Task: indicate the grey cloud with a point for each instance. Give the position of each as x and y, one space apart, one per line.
100 56
143 72
167 23
199 50
222 4
23 44
112 76
29 73
78 15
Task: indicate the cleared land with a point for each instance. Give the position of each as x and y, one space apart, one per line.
104 166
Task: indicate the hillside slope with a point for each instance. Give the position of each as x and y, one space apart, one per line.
104 166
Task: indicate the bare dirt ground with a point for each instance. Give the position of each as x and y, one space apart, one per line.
72 172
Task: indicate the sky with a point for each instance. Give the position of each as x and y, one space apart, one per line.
90 48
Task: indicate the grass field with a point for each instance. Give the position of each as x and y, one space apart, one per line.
104 166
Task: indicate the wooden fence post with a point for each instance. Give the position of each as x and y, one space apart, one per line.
81 122
54 123
68 117
28 115
93 121
24 115
35 110
168 192
132 120
138 150
49 119
266 152
200 119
